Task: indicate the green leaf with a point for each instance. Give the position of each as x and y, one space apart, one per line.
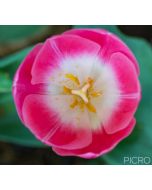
15 58
5 83
13 33
139 143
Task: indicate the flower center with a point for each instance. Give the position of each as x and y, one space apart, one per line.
82 92
82 95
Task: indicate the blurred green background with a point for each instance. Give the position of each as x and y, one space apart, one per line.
19 146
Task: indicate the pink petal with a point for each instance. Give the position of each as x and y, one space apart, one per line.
46 125
57 48
101 143
130 93
22 79
108 42
125 73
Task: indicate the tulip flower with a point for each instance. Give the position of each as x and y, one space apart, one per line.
78 92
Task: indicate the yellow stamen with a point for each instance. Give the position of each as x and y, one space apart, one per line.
81 105
74 103
95 94
73 78
66 90
90 81
90 107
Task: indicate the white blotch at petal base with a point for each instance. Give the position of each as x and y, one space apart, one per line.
84 91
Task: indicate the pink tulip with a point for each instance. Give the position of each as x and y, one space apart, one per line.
78 92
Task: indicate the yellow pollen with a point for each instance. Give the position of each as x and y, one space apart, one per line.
74 103
95 94
90 107
73 78
90 81
66 90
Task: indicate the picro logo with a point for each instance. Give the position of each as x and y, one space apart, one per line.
138 160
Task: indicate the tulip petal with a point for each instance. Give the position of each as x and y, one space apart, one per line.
108 42
47 126
129 95
22 79
55 50
101 143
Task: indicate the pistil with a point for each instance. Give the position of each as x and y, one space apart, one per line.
82 92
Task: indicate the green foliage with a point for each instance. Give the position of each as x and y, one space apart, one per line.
11 128
18 32
14 59
6 83
139 143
